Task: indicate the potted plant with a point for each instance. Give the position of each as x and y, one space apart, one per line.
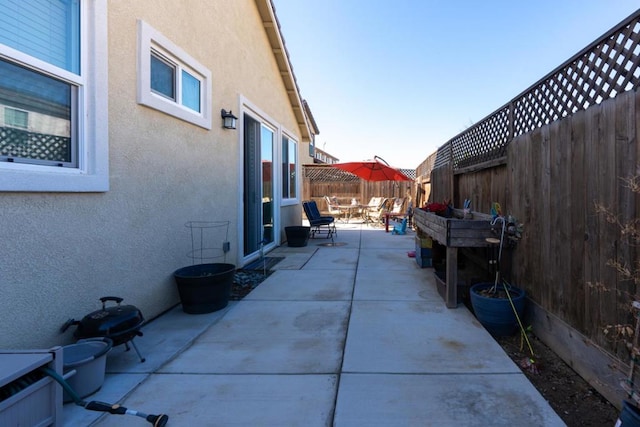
499 306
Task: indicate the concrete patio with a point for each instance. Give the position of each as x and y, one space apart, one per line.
352 335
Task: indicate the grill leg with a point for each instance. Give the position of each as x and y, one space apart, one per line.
135 347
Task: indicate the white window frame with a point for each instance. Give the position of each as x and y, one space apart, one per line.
285 197
92 172
149 39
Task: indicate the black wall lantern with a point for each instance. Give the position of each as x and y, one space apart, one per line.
228 119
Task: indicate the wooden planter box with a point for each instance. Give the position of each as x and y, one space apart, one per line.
454 233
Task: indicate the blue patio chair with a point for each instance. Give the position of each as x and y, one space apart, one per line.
317 221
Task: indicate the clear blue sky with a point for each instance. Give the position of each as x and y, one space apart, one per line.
400 78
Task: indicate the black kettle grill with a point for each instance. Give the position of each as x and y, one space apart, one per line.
120 323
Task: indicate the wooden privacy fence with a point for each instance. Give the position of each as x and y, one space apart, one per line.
547 157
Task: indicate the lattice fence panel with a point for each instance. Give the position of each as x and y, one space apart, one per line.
443 157
425 168
483 142
328 174
17 143
607 67
610 67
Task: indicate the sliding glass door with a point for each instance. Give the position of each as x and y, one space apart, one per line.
258 195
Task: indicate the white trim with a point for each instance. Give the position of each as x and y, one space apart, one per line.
150 39
290 201
92 174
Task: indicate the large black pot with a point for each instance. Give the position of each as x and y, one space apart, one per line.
204 288
297 235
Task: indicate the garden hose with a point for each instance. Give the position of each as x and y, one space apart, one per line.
522 331
155 420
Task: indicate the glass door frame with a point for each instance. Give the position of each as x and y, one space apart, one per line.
266 124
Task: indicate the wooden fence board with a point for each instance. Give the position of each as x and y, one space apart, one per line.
535 221
547 276
608 187
518 160
592 225
577 213
626 148
560 203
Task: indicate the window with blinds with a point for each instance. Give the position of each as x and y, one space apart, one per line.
45 29
49 31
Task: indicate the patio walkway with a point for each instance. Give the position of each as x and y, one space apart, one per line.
352 335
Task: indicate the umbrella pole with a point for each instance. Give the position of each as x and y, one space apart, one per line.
383 160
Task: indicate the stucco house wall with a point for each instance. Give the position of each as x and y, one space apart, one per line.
62 251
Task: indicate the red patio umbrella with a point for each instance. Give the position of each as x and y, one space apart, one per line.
373 170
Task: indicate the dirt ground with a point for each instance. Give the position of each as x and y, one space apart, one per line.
573 399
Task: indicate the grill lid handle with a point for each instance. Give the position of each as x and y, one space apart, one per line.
117 300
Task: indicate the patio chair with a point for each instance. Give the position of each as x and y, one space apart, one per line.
333 208
374 202
375 216
396 210
318 221
373 205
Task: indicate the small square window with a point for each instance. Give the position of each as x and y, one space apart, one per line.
171 81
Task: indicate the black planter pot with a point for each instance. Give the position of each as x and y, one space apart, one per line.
297 235
496 314
204 288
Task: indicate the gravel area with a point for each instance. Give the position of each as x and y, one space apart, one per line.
245 281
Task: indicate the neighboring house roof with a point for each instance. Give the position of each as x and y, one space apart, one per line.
324 157
312 120
272 27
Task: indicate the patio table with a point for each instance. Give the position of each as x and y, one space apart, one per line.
349 209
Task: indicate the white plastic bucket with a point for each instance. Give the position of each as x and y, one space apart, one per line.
88 358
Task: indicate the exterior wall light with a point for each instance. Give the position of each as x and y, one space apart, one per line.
228 119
